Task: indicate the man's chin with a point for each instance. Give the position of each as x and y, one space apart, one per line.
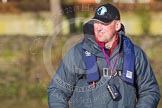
102 41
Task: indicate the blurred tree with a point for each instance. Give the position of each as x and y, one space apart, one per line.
60 8
56 11
68 9
28 0
128 1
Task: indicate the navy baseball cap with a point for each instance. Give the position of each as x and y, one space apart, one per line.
106 13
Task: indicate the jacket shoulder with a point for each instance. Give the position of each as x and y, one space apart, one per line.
139 51
74 56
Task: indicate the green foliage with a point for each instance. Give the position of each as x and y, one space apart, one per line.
68 1
9 87
36 91
145 18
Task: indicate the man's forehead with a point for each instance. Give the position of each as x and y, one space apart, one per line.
100 22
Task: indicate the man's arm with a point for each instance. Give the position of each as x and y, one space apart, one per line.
62 84
148 94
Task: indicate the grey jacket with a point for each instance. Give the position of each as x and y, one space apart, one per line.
69 87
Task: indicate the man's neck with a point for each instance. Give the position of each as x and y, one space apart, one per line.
112 44
109 44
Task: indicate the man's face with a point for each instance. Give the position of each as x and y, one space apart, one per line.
105 32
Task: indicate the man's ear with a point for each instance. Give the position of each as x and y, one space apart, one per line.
118 25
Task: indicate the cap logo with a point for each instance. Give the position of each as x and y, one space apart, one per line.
102 10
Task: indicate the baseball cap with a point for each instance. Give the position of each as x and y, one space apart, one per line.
106 13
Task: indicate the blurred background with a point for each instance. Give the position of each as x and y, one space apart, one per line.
36 34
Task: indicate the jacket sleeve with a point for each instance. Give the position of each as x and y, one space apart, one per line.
62 84
148 94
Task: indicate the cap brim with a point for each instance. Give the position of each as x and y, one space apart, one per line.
99 21
105 21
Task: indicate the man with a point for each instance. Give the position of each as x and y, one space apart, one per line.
105 70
